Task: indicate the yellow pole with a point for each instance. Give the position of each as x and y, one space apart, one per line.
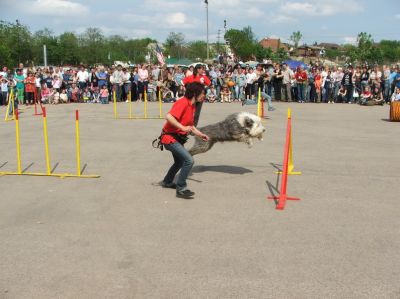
259 103
145 104
130 104
290 162
18 143
115 104
46 141
10 104
160 102
78 144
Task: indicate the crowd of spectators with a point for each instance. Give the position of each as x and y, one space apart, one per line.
366 85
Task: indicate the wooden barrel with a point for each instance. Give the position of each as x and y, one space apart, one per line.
395 111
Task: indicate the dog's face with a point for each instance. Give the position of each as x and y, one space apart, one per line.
252 124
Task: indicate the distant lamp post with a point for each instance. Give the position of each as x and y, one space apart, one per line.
208 52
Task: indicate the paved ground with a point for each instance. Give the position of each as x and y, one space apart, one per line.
122 237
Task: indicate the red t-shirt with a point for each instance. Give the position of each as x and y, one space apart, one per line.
30 84
183 110
301 76
201 79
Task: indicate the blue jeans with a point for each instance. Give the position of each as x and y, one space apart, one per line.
183 161
301 91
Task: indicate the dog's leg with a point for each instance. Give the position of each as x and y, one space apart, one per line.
200 146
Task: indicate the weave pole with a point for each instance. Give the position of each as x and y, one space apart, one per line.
78 144
10 106
259 103
160 102
17 141
283 192
115 105
145 104
130 104
46 142
290 162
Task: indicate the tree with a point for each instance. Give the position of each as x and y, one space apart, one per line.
92 45
69 49
242 42
197 50
174 44
295 38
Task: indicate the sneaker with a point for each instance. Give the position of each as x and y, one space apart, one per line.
186 194
170 186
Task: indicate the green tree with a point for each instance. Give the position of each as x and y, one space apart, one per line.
175 44
241 43
197 50
295 38
69 49
92 43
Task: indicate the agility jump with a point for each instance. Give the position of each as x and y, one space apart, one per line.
48 172
130 108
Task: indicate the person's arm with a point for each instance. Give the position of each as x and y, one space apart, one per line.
173 121
196 132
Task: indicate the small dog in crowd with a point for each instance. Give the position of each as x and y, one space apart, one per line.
240 127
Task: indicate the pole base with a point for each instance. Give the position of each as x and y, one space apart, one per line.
282 200
290 172
59 175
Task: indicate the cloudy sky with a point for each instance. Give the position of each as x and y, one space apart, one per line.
336 21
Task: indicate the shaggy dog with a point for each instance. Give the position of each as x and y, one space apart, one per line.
241 127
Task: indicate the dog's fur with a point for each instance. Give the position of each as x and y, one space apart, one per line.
241 127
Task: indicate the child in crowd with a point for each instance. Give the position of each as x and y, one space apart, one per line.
96 95
30 89
87 96
396 95
151 91
4 91
211 94
55 99
104 94
226 95
57 83
365 96
45 94
63 96
341 98
75 93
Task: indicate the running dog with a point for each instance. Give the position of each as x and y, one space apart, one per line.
240 127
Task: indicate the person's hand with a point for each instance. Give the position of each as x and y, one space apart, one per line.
187 129
205 137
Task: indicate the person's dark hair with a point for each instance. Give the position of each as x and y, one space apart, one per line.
196 69
193 90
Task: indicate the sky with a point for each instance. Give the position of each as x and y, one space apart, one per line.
333 21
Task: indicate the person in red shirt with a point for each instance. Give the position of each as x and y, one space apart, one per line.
180 122
301 80
30 88
200 77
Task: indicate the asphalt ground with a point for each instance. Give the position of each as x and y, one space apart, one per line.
122 236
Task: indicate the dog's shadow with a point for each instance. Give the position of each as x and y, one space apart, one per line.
221 168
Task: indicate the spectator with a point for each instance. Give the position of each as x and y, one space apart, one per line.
30 89
286 81
341 98
143 81
396 95
211 94
63 96
225 95
251 78
365 96
82 77
301 79
4 91
104 94
20 86
348 84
